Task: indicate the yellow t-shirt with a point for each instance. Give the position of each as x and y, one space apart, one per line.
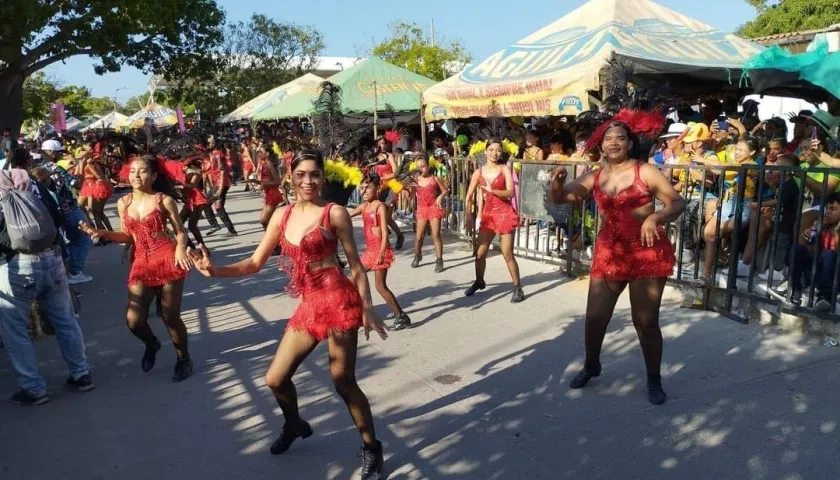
750 186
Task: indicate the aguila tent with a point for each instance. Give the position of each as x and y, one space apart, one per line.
159 115
552 71
255 106
392 85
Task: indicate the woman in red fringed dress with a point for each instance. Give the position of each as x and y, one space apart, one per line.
332 307
498 217
631 248
378 255
96 190
270 182
159 263
429 193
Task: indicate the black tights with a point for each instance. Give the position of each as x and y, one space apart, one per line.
137 315
293 350
220 210
191 218
645 300
380 277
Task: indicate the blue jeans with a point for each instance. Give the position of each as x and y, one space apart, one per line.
78 242
23 280
801 267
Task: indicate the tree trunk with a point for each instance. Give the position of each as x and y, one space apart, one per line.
11 102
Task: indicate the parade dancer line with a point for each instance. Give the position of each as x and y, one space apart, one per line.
158 262
497 217
430 192
332 307
378 255
631 248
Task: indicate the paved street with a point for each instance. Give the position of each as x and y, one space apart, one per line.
477 390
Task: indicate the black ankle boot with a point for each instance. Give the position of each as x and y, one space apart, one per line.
476 286
150 355
289 435
518 295
416 262
373 461
656 395
439 265
582 378
183 369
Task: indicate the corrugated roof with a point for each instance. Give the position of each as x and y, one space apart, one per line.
790 37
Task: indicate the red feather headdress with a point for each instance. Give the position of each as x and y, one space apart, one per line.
392 136
645 124
172 169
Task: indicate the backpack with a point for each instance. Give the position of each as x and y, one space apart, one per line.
28 221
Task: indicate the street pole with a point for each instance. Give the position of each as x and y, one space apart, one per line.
375 111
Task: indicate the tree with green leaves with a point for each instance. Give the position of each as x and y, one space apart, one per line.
786 16
409 47
147 34
39 91
254 57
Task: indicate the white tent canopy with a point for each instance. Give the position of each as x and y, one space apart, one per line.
552 71
110 121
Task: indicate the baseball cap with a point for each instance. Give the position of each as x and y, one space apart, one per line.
51 146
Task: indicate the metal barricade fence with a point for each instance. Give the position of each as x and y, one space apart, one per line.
566 235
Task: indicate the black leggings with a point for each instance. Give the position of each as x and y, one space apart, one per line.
220 210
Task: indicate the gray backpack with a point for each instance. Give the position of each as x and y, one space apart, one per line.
28 222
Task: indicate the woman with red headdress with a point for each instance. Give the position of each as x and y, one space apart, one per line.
159 263
631 247
386 169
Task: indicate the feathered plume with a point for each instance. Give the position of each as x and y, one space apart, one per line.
328 118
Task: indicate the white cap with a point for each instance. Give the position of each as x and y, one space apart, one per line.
675 130
51 146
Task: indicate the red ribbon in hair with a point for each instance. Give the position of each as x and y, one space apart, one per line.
646 124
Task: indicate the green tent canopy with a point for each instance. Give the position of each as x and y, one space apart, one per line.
394 86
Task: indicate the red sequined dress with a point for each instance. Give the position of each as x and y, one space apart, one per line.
329 300
153 262
619 253
427 209
382 171
373 242
271 194
497 215
93 188
194 198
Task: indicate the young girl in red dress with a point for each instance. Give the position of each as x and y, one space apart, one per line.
95 192
248 166
159 263
270 182
378 255
430 192
498 216
631 248
332 307
386 169
195 201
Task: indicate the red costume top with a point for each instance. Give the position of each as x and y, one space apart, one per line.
194 198
272 194
373 241
619 253
247 163
427 209
220 175
497 214
153 264
330 301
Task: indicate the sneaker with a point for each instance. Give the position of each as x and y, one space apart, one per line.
183 369
439 265
476 286
78 278
402 321
149 356
81 384
416 262
28 398
212 231
289 435
231 234
373 462
518 295
743 269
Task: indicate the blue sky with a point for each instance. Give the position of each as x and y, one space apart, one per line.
350 29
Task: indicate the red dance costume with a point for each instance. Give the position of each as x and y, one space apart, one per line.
381 172
93 188
619 253
497 215
427 209
247 164
272 195
329 300
373 242
153 264
194 198
220 178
